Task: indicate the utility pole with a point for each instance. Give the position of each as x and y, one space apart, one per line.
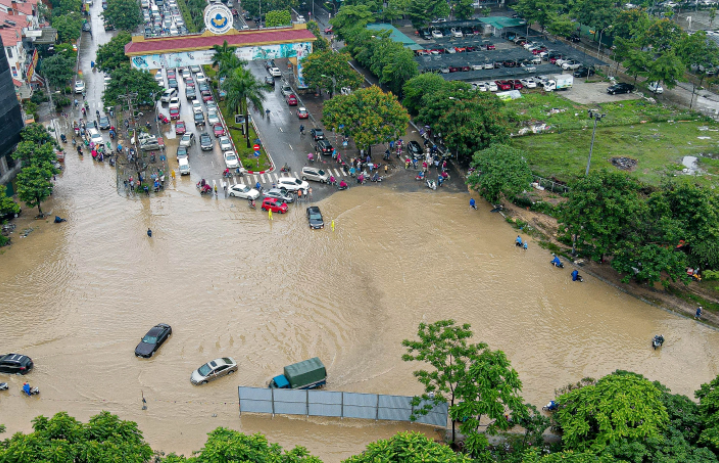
597 117
129 99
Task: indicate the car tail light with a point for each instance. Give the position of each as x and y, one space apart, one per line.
22 368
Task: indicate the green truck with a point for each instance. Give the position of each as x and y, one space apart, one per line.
307 374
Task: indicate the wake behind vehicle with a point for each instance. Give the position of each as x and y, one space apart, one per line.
308 374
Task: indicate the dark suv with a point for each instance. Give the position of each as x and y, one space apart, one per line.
324 147
15 364
620 88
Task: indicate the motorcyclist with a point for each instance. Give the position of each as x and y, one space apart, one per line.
27 389
302 129
310 157
518 241
473 204
227 172
556 262
575 275
333 180
343 184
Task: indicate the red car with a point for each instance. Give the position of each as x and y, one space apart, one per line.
491 47
291 99
190 83
302 113
206 95
517 85
460 49
180 128
454 69
328 30
554 59
537 51
503 85
219 130
274 205
174 113
171 75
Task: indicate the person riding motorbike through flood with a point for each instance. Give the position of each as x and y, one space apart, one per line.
343 184
333 180
575 275
518 241
227 172
556 262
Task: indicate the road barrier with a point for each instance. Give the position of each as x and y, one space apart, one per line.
337 404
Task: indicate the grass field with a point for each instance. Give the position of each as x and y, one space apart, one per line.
655 136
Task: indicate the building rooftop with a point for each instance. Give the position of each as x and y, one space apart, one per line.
143 46
500 22
395 35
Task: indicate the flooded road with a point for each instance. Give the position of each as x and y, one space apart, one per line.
78 296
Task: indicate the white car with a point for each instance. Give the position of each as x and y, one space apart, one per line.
243 191
188 139
456 33
436 34
292 184
200 78
186 74
168 94
174 102
159 77
492 86
173 30
528 83
315 174
559 62
481 86
275 72
654 87
212 117
231 160
476 67
213 370
571 64
196 107
184 166
95 136
79 86
225 144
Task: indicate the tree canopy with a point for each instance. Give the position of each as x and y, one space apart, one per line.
69 26
111 55
58 69
125 80
330 71
123 14
408 447
500 169
278 18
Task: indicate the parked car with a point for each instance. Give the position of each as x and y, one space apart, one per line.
213 370
503 85
200 78
182 152
274 205
183 166
654 87
516 84
174 113
152 341
275 72
571 64
180 129
528 83
302 113
231 160
324 147
292 184
436 34
286 90
218 130
621 87
243 191
188 139
279 194
190 93
414 149
269 80
315 174
583 72
492 87
168 94
205 141
15 364
317 134
314 217
172 83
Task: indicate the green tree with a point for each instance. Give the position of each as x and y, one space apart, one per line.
708 395
253 6
225 59
712 16
468 121
34 185
125 80
603 210
69 26
567 456
351 18
330 71
36 133
368 115
111 55
536 11
418 87
399 68
648 263
63 439
422 12
666 68
123 14
242 89
67 6
562 26
321 44
278 18
696 50
534 424
464 9
618 407
7 205
443 345
489 390
58 69
226 445
500 169
408 447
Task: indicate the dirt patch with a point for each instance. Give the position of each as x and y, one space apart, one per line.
624 163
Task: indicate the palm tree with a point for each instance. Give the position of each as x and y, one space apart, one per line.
225 59
242 88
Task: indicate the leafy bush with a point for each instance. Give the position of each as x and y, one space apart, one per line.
710 275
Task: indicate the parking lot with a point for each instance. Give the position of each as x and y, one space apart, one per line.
594 93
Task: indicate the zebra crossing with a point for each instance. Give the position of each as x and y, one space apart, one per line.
267 179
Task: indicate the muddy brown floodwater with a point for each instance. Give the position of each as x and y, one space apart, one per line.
78 296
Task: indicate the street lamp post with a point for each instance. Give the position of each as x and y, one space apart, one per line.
597 117
129 99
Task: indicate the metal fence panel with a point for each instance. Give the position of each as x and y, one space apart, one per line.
290 408
248 406
289 395
393 414
324 397
368 413
255 393
395 401
360 400
325 410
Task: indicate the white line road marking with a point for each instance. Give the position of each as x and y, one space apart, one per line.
291 147
262 178
296 176
282 130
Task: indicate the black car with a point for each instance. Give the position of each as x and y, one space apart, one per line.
153 340
269 80
620 88
314 216
199 118
104 123
15 364
172 83
324 147
583 72
190 93
317 134
414 148
205 141
574 38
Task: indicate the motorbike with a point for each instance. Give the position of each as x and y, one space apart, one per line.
79 151
33 391
252 204
285 169
112 162
4 387
341 187
206 188
657 341
551 406
420 176
377 178
431 184
558 265
74 142
63 138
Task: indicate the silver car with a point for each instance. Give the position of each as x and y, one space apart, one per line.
212 118
315 174
213 370
279 194
225 144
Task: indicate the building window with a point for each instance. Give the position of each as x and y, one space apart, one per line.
9 52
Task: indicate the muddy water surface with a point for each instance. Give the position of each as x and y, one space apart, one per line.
78 296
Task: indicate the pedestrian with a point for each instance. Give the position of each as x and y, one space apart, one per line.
473 204
426 141
339 158
386 168
525 246
172 174
698 315
391 145
406 163
370 167
299 194
414 164
310 190
149 233
444 165
424 166
224 187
